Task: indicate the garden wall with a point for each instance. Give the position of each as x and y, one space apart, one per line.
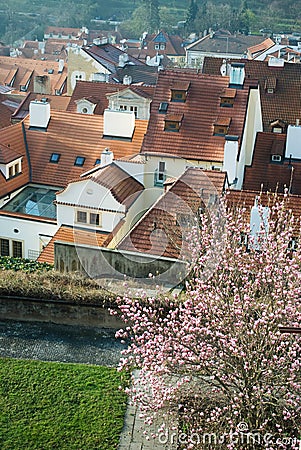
35 310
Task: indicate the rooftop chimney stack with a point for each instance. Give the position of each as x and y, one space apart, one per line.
106 157
39 114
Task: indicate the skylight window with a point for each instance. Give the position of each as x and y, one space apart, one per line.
97 161
163 107
55 157
79 161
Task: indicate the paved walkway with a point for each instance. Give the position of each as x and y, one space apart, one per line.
63 343
133 437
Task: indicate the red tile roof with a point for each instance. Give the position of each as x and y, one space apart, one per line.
246 200
159 231
28 68
99 91
12 138
73 135
284 103
195 140
121 185
74 235
262 46
57 102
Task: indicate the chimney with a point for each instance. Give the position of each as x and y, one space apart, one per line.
237 75
230 158
61 65
127 79
293 139
123 59
118 124
39 114
297 122
106 157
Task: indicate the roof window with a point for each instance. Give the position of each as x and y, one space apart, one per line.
79 161
227 97
54 158
221 126
97 161
163 107
173 122
179 91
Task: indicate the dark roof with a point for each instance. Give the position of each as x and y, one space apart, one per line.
108 56
195 140
147 75
160 231
284 103
264 174
224 42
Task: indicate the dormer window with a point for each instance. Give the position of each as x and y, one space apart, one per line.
227 97
14 169
270 85
221 126
179 92
54 158
79 161
173 122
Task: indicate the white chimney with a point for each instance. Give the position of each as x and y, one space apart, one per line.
230 158
123 59
259 224
61 65
39 114
237 75
297 122
106 157
118 124
293 139
127 79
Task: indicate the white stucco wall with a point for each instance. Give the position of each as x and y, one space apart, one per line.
33 233
91 197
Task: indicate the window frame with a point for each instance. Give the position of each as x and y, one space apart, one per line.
54 158
79 158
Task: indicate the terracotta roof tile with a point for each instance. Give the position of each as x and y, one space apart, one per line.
73 135
12 137
284 103
122 186
99 92
73 235
159 231
27 67
195 140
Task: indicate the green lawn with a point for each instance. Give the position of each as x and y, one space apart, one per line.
59 406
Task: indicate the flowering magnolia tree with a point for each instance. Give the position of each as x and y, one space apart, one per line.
215 354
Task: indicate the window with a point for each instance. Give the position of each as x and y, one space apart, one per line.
94 219
55 157
160 175
14 169
162 46
276 158
17 248
4 247
178 96
79 161
81 217
157 46
84 110
134 109
11 248
97 161
163 107
123 107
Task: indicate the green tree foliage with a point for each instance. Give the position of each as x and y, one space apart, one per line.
191 13
152 15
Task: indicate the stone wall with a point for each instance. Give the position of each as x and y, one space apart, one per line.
35 310
109 263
